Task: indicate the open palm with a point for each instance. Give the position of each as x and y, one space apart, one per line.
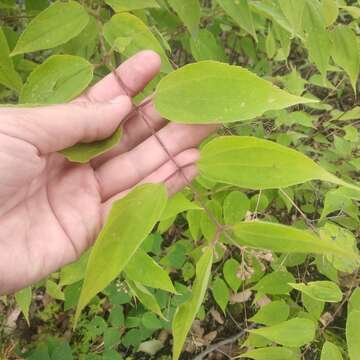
51 210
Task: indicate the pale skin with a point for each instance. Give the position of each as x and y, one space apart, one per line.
51 210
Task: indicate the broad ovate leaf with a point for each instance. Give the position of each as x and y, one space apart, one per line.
84 152
189 13
23 300
177 204
326 291
330 352
254 163
54 26
221 294
353 334
272 313
130 220
285 239
215 92
8 75
293 333
240 12
135 36
130 5
58 79
186 313
143 269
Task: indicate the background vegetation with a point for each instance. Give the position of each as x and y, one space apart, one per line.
307 47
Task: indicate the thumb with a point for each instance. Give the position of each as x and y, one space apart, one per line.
54 128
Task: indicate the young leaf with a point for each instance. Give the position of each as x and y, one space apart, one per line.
58 79
271 314
345 51
206 47
317 40
271 353
221 293
143 269
275 283
130 5
131 219
326 291
138 37
23 300
230 271
240 11
146 297
84 152
293 333
54 290
293 11
236 205
176 205
353 334
186 313
54 26
285 239
8 75
331 11
214 92
189 13
330 352
314 307
257 164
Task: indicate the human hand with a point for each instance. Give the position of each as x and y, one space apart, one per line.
51 210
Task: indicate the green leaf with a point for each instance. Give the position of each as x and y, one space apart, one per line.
230 270
236 206
293 10
206 47
130 5
74 272
354 301
178 204
312 306
8 75
23 300
84 152
330 352
353 334
344 239
58 79
254 163
54 26
326 291
240 12
189 13
143 269
271 353
131 219
221 293
54 290
271 314
285 239
345 51
317 40
123 26
331 11
214 92
186 313
275 283
293 333
146 297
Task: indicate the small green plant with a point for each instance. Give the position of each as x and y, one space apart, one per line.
271 223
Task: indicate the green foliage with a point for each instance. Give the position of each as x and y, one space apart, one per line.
214 92
272 243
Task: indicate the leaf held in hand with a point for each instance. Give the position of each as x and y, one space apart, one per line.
214 92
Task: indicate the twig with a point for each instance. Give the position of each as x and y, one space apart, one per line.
218 345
